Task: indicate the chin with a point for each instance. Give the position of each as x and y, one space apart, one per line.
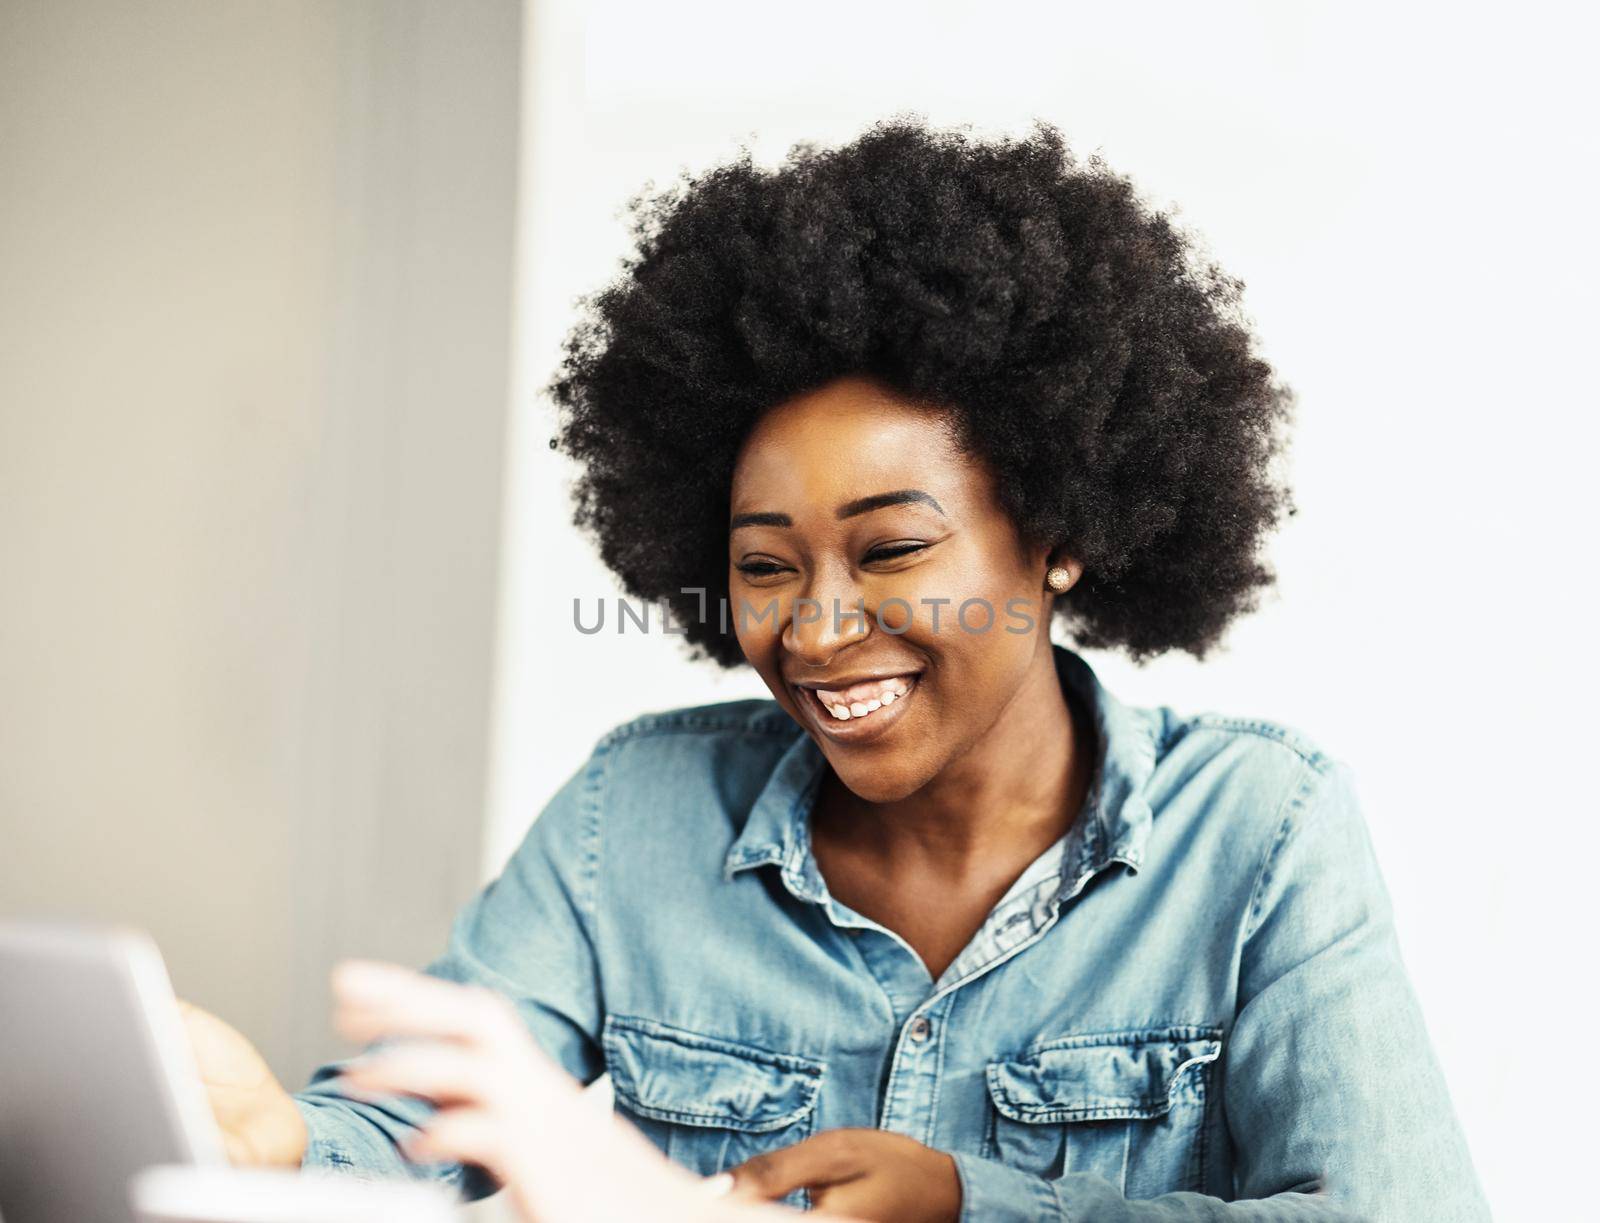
879 782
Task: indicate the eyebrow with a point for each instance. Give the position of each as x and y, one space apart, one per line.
862 505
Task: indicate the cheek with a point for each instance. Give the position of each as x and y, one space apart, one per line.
980 652
755 618
965 596
759 649
762 647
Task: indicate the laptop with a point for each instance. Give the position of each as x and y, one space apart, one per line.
97 1080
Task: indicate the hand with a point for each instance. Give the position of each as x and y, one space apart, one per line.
505 1106
259 1121
867 1174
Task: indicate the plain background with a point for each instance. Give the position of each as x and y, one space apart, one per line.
286 643
254 338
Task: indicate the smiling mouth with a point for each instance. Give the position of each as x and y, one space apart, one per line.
860 709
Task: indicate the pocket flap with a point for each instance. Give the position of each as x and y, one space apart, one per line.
1101 1076
673 1075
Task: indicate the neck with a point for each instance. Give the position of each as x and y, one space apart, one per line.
1010 795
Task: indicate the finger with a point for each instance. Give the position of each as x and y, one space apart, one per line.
441 1073
521 1067
414 1003
827 1159
374 1000
458 1135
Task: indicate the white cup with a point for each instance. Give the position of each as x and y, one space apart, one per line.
258 1195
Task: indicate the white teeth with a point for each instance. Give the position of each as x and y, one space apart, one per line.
843 711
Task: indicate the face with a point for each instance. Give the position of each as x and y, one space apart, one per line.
851 498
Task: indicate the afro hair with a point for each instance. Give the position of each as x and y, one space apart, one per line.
1087 352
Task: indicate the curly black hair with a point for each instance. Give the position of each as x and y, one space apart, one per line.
1084 348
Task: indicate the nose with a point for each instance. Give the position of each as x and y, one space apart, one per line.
829 617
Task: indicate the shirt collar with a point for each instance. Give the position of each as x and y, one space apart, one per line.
1115 826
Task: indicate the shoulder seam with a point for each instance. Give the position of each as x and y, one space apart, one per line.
1291 740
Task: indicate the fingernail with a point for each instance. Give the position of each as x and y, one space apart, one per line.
718 1185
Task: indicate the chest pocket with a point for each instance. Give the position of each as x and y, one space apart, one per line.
1128 1106
709 1103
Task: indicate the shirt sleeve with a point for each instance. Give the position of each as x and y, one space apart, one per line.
529 935
1333 1098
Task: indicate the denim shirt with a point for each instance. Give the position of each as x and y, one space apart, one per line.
1192 1002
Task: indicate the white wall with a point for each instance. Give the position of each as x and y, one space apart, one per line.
1400 189
254 332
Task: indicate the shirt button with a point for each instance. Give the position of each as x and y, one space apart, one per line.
920 1028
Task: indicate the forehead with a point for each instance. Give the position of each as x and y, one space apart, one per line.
850 438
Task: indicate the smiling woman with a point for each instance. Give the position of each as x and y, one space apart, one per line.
984 941
972 769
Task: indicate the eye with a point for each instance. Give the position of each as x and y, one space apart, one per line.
889 552
760 568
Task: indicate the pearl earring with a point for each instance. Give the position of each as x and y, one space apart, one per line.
1058 579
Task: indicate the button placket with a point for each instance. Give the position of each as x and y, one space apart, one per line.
913 1083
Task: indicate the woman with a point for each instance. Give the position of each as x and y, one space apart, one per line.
944 929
